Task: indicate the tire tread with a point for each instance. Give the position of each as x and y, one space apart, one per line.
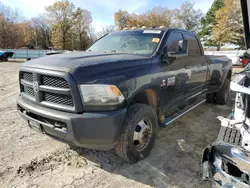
122 144
220 95
229 135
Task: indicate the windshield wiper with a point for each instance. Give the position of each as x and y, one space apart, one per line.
128 41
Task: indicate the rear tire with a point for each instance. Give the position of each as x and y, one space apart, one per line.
223 94
210 98
141 120
221 97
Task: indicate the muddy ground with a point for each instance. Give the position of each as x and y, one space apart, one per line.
30 159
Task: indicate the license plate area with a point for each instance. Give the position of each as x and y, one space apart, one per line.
34 125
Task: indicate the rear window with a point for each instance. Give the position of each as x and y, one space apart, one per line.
174 42
194 47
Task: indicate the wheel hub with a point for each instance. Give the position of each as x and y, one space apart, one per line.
142 134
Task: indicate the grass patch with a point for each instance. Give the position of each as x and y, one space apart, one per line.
236 70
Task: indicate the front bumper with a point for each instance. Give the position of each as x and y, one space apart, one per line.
94 130
228 166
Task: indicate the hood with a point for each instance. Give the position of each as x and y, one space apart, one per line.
90 66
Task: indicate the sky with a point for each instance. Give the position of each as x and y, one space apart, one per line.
103 10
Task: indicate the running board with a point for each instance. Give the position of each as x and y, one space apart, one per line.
187 109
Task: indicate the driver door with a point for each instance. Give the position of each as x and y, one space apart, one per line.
175 86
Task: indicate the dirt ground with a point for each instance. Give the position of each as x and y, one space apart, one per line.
30 159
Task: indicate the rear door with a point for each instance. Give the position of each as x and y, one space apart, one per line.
197 64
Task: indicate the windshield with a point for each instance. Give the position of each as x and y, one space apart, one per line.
143 42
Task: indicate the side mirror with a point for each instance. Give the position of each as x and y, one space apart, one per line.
182 53
164 55
183 50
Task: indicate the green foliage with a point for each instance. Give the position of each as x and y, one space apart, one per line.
208 22
229 26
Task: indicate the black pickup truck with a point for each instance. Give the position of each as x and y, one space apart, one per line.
118 92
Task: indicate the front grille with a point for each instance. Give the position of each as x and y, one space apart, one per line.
29 91
27 76
58 99
54 81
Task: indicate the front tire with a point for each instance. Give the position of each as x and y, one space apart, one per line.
138 136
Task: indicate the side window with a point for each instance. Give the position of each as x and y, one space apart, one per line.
194 47
174 42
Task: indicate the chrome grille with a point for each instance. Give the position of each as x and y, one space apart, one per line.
27 76
54 81
58 99
29 91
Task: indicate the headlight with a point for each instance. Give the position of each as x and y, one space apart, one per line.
101 95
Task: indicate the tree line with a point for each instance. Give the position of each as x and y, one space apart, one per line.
64 26
185 17
223 24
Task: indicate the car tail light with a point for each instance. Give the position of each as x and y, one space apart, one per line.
245 62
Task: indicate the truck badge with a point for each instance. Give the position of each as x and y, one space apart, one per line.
171 81
35 87
163 83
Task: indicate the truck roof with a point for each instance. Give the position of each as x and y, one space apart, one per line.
159 29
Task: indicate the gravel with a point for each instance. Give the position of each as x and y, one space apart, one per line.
31 159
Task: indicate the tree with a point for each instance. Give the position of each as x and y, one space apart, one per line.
235 23
208 23
40 32
62 17
83 21
37 33
10 29
187 17
219 31
121 19
229 26
24 34
158 16
91 34
106 30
